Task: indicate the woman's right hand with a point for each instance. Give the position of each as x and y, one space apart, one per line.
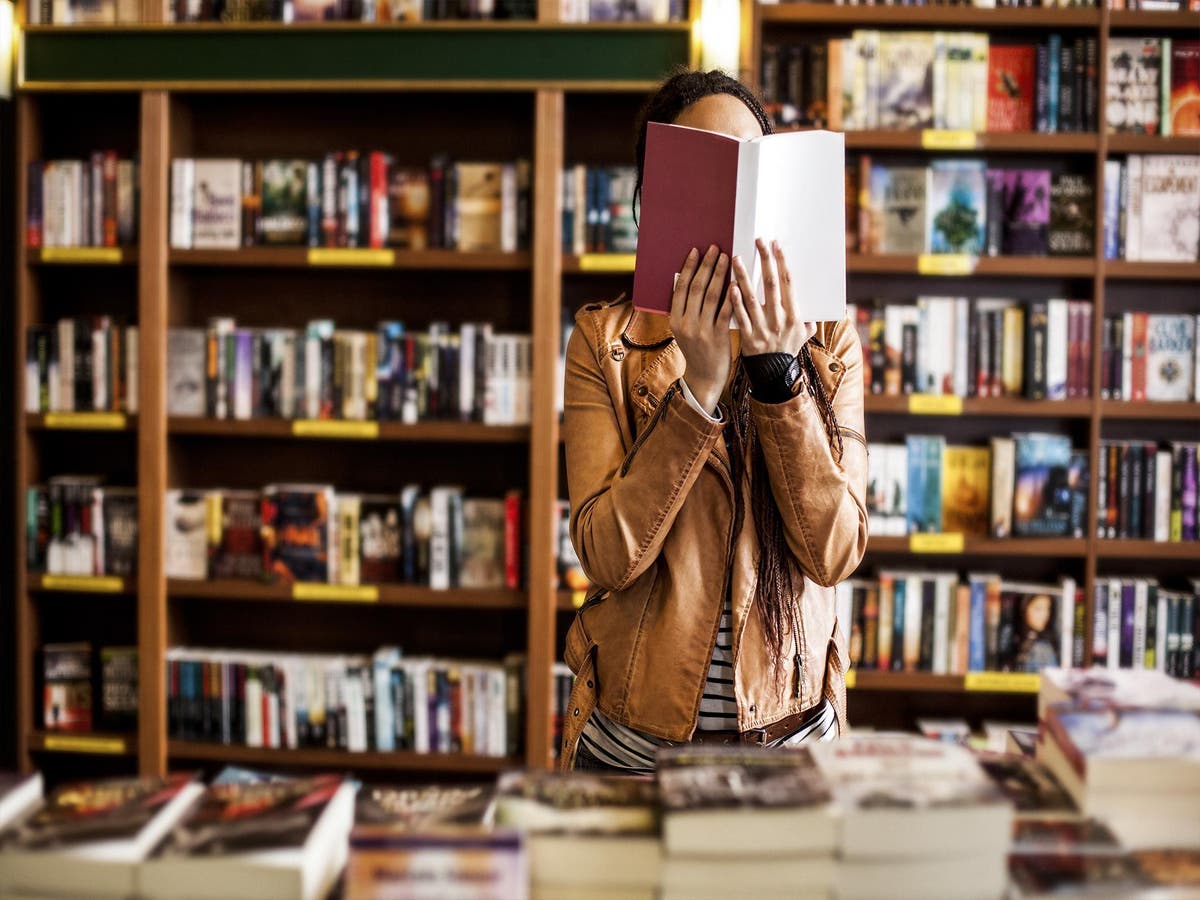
700 323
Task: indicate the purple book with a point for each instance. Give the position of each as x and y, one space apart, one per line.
1026 212
1127 611
1189 499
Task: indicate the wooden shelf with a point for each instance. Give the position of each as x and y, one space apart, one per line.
82 421
81 256
339 760
1156 550
385 594
42 583
976 682
89 743
598 263
1136 18
301 258
1014 142
1014 407
432 432
1043 548
892 16
1150 143
1018 266
1149 412
1151 271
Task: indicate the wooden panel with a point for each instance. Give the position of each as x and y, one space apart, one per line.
1119 268
388 594
1159 22
1150 412
1144 550
1149 143
338 760
423 432
301 257
1000 142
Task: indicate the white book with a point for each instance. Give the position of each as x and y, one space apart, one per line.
1140 590
1114 623
1160 632
1170 353
66 364
1133 209
1066 622
1162 495
19 794
912 618
943 596
1056 349
183 198
254 721
1127 355
216 203
897 468
962 321
466 370
440 576
1003 480
186 538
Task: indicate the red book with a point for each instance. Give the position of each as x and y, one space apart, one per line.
1138 367
1011 81
1184 114
378 216
702 188
512 540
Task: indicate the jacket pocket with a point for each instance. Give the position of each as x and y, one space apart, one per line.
641 438
579 644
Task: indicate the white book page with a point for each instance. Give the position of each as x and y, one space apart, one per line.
800 202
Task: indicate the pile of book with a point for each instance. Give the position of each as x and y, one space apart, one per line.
76 525
1150 356
391 374
944 79
1142 193
579 11
597 209
82 203
1153 85
383 702
371 11
1146 492
932 622
1141 624
968 206
1002 347
350 199
69 687
311 533
85 364
1027 485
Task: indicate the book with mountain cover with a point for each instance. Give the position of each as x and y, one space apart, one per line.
956 206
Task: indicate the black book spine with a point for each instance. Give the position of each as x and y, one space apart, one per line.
1124 465
908 359
878 351
1174 613
1066 87
173 699
450 208
1006 633
1115 381
1152 648
928 614
1042 94
1035 349
437 202
1149 483
1079 52
1106 333
1133 499
364 200
897 623
1090 87
1187 637
995 216
1102 496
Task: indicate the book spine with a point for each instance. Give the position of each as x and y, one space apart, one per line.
183 178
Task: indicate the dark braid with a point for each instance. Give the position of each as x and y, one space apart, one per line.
777 567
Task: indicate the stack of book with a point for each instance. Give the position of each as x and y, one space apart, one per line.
1150 356
1152 85
383 702
311 533
597 211
390 374
915 812
1140 624
76 525
85 364
734 817
1147 493
1027 485
350 199
1150 208
586 835
82 203
1002 347
69 686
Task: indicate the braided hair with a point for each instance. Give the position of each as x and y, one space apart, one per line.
777 568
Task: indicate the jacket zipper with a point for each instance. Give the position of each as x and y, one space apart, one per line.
798 658
593 600
641 438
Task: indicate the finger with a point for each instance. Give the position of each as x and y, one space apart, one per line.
750 304
771 308
682 283
738 304
699 288
716 287
785 280
726 312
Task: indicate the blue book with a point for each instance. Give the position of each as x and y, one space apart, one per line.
956 206
976 648
1112 209
899 591
925 483
1042 495
1052 87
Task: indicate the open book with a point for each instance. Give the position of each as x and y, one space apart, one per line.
701 188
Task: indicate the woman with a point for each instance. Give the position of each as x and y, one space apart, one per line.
717 485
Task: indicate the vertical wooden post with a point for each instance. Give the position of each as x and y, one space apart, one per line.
543 450
152 434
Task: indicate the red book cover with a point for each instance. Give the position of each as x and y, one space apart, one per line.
1138 369
1184 114
512 540
1012 78
378 217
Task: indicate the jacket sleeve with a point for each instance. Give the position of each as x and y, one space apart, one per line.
821 499
623 503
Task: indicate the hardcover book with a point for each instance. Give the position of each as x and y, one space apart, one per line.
1041 493
1034 791
235 535
297 534
1029 637
925 483
386 861
478 206
905 79
1067 833
379 539
897 210
1183 113
409 206
966 480
1133 87
956 206
1012 81
1072 215
67 690
217 208
752 190
118 688
120 516
1170 355
1081 874
284 217
425 807
187 535
1026 211
186 353
483 544
577 803
1170 191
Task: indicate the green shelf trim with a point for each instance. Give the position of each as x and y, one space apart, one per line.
165 56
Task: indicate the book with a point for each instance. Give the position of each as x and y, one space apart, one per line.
118 688
1132 92
1041 497
483 548
1170 356
754 187
1072 215
390 861
284 839
956 206
298 532
235 534
1029 627
1026 206
409 208
186 348
898 210
1170 199
217 207
905 83
380 539
284 217
1035 793
89 838
1011 83
1182 116
20 794
1068 833
427 807
1114 687
924 491
187 535
67 687
1075 874
966 480
478 206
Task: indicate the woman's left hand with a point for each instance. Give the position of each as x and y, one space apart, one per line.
773 326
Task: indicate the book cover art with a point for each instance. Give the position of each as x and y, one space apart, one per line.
379 539
1033 622
1170 355
1064 834
217 205
187 535
422 807
577 802
966 483
67 687
478 204
1125 732
387 862
482 554
1026 211
109 810
185 371
296 528
409 206
898 209
284 218
956 206
241 817
692 778
1133 87
1169 869
1171 201
1012 80
1032 788
924 483
1072 215
905 80
118 688
1041 493
1184 101
235 535
120 514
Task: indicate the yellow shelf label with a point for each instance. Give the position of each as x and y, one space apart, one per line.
350 256
337 593
945 264
73 743
82 254
335 428
935 404
92 584
851 678
950 542
607 262
1003 682
95 421
947 139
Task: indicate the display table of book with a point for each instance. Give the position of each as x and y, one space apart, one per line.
1107 806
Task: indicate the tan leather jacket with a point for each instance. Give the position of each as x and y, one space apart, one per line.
652 521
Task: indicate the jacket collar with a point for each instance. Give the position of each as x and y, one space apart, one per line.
647 331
